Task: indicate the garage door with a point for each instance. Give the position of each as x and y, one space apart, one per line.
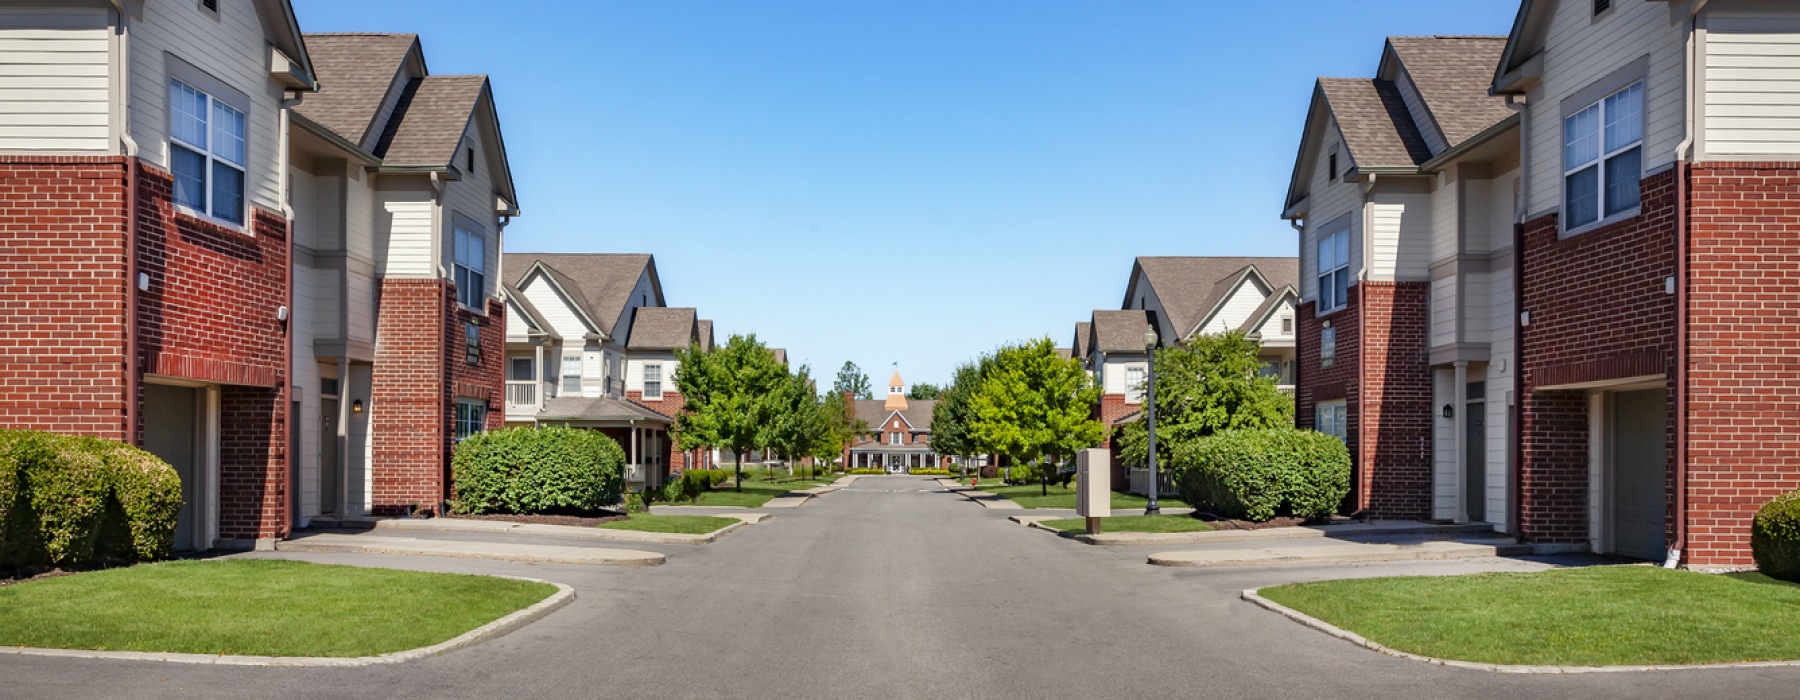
1640 467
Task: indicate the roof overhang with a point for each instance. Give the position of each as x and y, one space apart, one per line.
539 271
1521 64
1299 181
293 65
336 140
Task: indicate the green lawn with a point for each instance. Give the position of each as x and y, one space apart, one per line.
1600 616
678 524
256 607
1031 496
1133 523
758 490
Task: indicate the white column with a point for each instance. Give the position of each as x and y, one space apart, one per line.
1460 409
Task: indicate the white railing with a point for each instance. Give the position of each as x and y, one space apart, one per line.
1140 482
524 396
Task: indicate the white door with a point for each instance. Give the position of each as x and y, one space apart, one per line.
172 433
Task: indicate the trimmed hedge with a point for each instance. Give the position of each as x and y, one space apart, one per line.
1775 537
75 500
537 470
1260 474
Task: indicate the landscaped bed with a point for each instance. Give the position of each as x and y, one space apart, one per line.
1133 523
1600 616
256 607
676 524
757 491
1033 496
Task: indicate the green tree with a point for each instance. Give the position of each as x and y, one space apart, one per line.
951 416
841 426
851 380
1035 407
1210 384
733 393
925 391
795 424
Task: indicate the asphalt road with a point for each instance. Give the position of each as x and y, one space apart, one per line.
893 588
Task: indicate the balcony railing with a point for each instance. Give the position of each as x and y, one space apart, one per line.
525 397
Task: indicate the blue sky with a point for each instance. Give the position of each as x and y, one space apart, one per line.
912 182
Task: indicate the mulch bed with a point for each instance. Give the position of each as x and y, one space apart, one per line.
1277 522
575 520
8 578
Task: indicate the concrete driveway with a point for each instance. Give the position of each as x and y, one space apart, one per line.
893 588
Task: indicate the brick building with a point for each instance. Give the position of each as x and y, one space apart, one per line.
899 436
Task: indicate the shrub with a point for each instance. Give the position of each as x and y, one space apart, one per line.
68 500
1775 537
1259 474
932 472
537 470
868 471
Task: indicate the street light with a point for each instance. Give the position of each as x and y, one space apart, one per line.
1152 508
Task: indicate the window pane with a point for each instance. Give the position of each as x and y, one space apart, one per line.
1326 258
228 193
187 114
1625 117
1341 242
228 133
1581 138
1341 287
189 169
477 289
1326 300
1622 173
1582 197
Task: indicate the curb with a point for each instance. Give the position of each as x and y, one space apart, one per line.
1129 539
585 559
1253 596
1498 550
517 619
568 531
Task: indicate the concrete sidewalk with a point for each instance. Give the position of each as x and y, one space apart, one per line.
1340 552
567 531
501 551
1347 531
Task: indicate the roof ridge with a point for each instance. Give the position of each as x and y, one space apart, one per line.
407 34
1499 37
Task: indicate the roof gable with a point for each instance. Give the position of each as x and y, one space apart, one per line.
599 285
663 328
1452 75
1192 289
1253 324
359 74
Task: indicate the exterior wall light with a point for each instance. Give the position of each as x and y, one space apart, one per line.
356 406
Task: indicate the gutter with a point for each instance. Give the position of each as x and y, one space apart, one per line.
283 155
1515 445
130 146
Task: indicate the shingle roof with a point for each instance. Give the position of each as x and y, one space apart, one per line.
533 317
917 413
1376 126
1065 353
780 355
354 72
1453 74
705 327
1191 287
1082 330
601 283
1120 331
434 111
597 408
662 328
1268 306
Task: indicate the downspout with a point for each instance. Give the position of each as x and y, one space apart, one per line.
1515 445
282 161
1682 152
1299 226
1362 337
130 148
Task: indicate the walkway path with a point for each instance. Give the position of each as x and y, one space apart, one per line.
893 588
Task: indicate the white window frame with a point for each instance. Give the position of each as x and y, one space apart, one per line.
1633 76
658 381
1332 418
470 265
1134 385
469 419
210 155
894 438
1337 243
563 377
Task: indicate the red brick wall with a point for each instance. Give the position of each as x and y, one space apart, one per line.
1342 380
1743 351
1599 310
670 405
1112 407
1394 440
62 294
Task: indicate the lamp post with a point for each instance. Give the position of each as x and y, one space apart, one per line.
1152 508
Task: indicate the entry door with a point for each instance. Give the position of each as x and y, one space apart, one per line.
1640 465
172 433
329 475
1475 444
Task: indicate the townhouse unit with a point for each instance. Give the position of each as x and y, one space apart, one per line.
594 347
1403 193
401 189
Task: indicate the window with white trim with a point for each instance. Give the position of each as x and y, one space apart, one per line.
893 438
1134 384
471 417
471 268
653 381
1603 157
207 153
571 374
1333 262
1331 418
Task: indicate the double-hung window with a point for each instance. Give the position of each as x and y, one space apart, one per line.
1334 270
653 381
1331 419
471 267
893 438
1134 384
207 152
1603 157
571 375
471 418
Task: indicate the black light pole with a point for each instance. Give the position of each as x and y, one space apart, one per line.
1152 508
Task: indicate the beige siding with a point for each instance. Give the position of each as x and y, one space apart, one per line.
55 79
562 319
634 370
1400 239
1443 311
1445 196
1477 300
1443 446
642 294
1237 308
1580 51
403 225
473 198
1752 83
1113 374
232 49
1330 200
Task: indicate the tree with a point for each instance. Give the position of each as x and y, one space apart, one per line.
951 416
1210 384
925 391
841 426
851 380
795 424
1035 407
732 395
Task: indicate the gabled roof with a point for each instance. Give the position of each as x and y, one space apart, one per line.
599 285
434 111
1192 289
705 331
597 408
662 328
1372 116
1523 44
917 414
356 71
1119 331
1083 333
1065 353
780 355
1261 315
1453 74
534 319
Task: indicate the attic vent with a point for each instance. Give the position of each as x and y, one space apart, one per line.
471 161
1601 6
212 5
1331 167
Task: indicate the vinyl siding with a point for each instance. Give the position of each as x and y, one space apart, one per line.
56 79
634 371
1579 52
1443 311
404 220
473 198
1401 237
232 49
1443 446
1237 308
1752 83
643 290
562 319
1444 200
1330 200
1113 374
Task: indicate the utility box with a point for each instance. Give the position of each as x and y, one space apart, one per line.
1093 484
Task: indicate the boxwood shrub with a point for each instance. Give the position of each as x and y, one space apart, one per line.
1260 474
537 470
74 501
1775 537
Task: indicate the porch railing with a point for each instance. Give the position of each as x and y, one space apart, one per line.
524 397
